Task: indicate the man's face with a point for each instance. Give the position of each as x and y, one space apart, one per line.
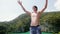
34 9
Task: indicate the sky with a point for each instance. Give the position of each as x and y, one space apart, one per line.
10 9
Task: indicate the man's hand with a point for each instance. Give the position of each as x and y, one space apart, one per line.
46 3
19 2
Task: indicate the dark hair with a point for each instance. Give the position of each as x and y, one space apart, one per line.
35 7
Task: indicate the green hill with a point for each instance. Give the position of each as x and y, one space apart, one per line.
50 22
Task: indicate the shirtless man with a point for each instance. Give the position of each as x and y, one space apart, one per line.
35 18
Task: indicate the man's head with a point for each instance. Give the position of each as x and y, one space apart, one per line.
35 8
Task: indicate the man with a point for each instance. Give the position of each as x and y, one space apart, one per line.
35 18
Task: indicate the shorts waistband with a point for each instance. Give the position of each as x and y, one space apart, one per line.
35 26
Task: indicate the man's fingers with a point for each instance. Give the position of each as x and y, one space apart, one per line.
19 1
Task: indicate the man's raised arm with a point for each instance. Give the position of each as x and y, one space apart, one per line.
44 7
20 3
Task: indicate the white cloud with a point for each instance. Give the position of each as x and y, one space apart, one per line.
9 9
57 4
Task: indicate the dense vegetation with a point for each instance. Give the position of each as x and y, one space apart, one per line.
50 22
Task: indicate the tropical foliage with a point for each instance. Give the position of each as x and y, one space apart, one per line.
50 22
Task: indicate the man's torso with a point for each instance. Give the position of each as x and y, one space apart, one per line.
35 19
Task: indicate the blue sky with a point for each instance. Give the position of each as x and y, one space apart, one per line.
10 9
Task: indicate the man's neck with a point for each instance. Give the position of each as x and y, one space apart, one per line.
35 11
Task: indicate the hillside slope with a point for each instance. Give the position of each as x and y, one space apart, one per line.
21 23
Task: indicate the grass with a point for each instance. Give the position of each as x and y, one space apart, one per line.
58 32
29 33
